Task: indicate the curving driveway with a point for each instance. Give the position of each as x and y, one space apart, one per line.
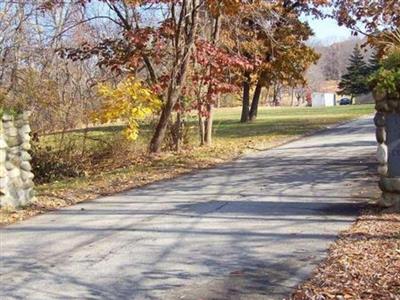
251 229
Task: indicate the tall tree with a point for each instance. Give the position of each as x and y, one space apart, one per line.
272 35
184 28
355 80
157 42
216 64
374 62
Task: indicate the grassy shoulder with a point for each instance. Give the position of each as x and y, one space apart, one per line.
128 167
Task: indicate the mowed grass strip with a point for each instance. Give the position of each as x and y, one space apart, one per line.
134 167
286 121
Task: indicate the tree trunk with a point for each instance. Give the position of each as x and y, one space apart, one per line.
246 98
299 102
267 96
292 95
159 133
178 73
255 102
275 100
178 134
209 125
201 130
209 106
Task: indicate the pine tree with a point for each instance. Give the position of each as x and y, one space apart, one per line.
355 80
374 63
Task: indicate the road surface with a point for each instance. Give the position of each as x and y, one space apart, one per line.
250 229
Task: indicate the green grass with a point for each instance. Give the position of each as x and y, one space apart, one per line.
283 121
106 146
270 121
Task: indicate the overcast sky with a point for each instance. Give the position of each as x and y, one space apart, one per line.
327 31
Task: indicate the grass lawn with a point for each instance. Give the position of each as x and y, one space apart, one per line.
132 166
281 121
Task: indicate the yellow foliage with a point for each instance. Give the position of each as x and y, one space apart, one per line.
129 101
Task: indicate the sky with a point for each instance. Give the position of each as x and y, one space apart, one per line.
327 31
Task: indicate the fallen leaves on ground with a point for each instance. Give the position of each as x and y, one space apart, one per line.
364 263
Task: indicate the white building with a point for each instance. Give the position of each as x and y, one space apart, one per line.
323 99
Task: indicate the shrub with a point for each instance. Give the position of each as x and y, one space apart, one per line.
76 154
49 164
387 78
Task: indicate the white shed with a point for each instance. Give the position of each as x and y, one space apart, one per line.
323 99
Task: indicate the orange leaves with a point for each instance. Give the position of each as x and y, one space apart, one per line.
224 7
218 58
373 14
273 34
363 264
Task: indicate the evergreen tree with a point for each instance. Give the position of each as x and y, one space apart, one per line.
355 80
374 63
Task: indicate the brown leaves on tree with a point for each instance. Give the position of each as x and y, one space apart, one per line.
372 15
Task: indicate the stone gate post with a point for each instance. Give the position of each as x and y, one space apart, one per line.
387 121
16 177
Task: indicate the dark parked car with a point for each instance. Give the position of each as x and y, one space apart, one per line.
345 101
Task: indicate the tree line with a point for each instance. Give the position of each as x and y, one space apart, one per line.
356 80
106 60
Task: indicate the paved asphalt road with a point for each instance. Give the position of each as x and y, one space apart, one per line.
251 229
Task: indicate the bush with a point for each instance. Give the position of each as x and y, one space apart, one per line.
387 78
76 154
50 165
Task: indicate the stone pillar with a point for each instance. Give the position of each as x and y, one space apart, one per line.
16 185
387 121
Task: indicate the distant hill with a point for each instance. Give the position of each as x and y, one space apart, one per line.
333 63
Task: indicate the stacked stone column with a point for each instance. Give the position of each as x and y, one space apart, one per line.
387 121
16 177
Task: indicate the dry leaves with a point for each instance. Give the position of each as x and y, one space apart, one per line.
363 264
